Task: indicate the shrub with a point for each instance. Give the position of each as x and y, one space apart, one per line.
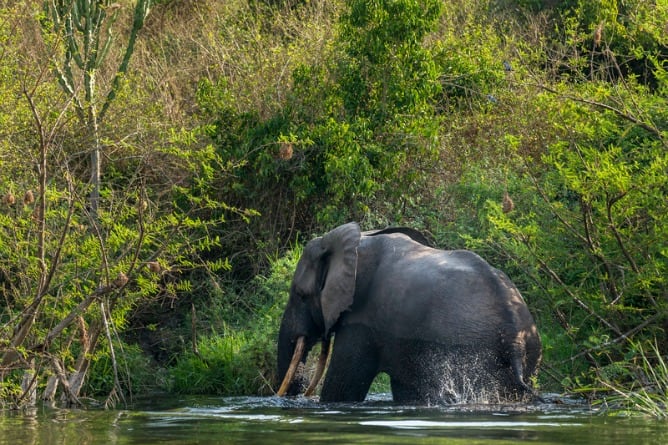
584 232
647 392
242 360
353 132
136 372
610 39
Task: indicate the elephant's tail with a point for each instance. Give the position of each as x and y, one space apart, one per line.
522 372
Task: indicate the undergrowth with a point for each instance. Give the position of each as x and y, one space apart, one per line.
643 388
241 360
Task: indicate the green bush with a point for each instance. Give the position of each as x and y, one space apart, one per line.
210 371
610 40
647 370
317 113
242 360
353 132
584 232
136 372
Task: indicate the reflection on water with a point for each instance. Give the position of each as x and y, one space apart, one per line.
272 420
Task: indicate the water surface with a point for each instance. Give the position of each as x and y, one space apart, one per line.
272 420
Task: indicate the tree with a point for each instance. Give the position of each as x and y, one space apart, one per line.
85 29
588 232
72 270
357 128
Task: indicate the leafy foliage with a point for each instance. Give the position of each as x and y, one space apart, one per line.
355 128
633 31
242 360
72 273
645 364
584 230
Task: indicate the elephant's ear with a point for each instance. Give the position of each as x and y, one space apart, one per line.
338 287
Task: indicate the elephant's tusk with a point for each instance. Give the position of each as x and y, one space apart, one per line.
320 368
290 374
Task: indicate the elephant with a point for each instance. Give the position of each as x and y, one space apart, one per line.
431 319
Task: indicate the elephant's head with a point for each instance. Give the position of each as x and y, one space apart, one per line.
323 287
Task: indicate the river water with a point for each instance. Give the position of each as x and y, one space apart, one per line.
271 420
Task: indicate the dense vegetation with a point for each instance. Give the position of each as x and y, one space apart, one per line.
161 162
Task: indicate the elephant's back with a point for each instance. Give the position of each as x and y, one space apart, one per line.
453 297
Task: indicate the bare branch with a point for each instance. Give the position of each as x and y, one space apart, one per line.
609 203
117 390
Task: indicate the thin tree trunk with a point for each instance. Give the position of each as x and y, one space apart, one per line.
95 176
77 378
29 385
30 313
49 394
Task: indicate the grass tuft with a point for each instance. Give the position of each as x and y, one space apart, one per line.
647 393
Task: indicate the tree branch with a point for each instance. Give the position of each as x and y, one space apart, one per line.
142 9
629 117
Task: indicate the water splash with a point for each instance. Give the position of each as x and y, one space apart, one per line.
470 379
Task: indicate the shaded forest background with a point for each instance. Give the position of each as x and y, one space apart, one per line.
162 162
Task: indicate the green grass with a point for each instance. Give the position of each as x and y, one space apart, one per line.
647 391
211 371
381 384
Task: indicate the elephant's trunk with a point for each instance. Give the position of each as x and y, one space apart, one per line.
290 374
320 368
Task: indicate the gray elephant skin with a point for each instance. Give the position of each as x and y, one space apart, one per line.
443 324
